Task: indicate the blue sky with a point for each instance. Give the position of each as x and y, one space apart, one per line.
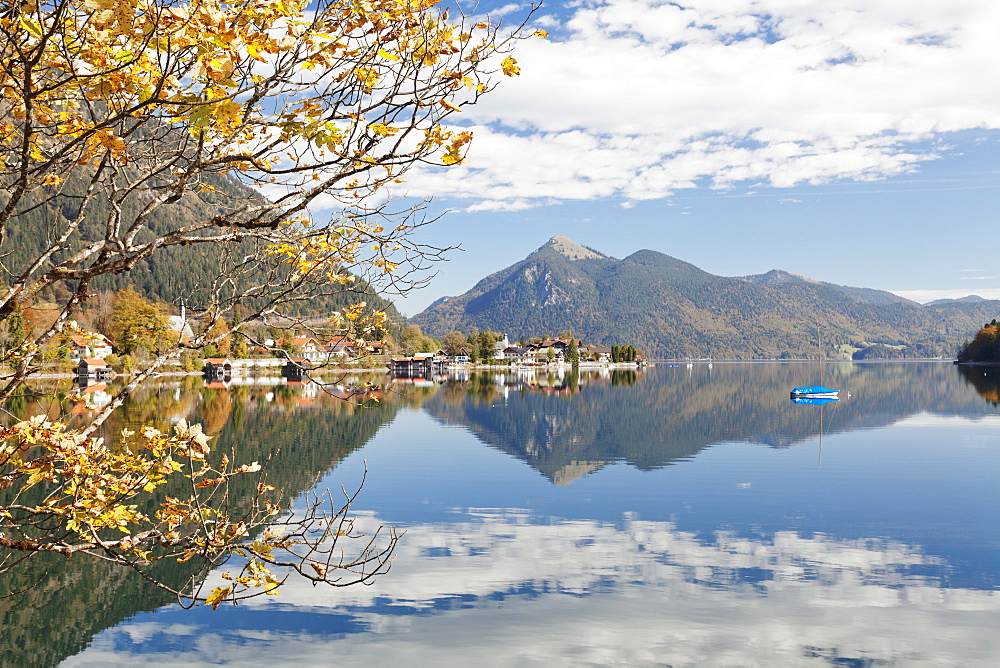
849 141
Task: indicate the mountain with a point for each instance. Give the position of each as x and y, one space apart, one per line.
868 295
965 300
168 275
669 307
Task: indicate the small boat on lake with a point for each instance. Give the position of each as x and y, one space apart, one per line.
814 400
815 392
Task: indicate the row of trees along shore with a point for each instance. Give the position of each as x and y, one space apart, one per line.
984 347
138 329
480 346
264 133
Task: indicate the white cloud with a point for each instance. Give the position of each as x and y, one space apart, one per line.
508 9
637 99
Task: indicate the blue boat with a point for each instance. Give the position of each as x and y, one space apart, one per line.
816 392
813 401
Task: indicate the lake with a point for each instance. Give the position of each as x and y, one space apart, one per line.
673 516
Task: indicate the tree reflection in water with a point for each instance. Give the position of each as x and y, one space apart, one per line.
303 433
986 380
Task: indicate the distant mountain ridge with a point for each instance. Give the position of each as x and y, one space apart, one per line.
869 295
968 300
670 308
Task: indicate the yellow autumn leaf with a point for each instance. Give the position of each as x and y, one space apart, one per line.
383 130
217 596
452 157
255 53
510 67
541 33
31 26
450 106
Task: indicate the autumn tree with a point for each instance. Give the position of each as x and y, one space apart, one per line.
267 130
218 333
137 323
984 347
239 349
481 345
414 340
454 341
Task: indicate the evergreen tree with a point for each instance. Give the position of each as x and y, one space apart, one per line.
573 353
16 325
484 343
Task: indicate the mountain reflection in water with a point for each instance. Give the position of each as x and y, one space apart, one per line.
677 412
629 518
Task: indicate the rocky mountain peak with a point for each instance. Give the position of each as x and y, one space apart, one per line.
571 249
778 277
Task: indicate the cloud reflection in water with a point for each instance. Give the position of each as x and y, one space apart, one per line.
505 587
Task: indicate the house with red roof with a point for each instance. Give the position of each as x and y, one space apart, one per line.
93 368
89 345
218 366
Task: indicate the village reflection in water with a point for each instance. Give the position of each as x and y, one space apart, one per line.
615 516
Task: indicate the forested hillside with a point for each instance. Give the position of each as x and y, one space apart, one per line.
672 308
170 274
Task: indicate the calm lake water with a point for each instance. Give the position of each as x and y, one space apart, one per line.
680 516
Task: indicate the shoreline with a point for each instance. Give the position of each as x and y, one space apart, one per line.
250 370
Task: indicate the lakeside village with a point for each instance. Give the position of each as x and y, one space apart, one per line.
91 353
558 352
132 329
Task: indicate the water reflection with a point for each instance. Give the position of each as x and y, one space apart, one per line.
668 415
303 431
659 531
986 380
506 587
